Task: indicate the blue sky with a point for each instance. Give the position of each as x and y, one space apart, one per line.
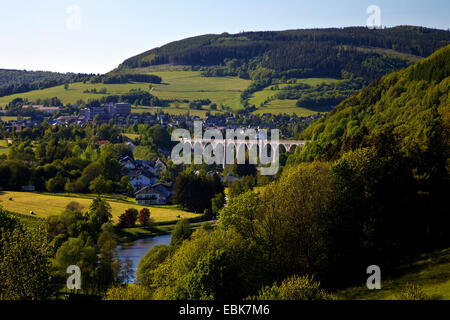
35 34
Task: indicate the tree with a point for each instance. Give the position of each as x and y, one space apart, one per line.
154 257
217 203
144 217
182 231
214 278
74 206
56 184
128 219
194 192
75 252
99 212
100 185
25 265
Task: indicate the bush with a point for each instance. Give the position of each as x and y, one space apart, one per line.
294 288
128 219
412 292
144 217
130 292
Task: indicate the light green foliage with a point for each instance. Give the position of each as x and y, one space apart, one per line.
129 292
24 265
150 262
215 277
413 292
182 231
240 213
75 252
171 279
294 288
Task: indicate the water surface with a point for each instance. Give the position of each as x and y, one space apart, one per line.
137 249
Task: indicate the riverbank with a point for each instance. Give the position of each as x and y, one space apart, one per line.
127 235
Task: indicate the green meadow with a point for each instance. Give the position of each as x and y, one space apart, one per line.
278 106
4 148
44 205
284 106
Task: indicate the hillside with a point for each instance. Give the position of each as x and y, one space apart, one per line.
299 53
19 81
431 273
413 103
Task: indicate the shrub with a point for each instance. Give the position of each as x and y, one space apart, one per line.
144 217
294 288
412 292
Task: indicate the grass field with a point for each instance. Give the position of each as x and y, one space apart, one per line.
285 106
45 205
173 110
4 148
132 136
192 86
431 272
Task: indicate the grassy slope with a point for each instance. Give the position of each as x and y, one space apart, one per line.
431 272
285 106
45 205
191 85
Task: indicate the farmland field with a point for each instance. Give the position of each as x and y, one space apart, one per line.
45 205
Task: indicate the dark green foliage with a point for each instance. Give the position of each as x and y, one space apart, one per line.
194 192
99 212
126 78
214 278
297 53
128 219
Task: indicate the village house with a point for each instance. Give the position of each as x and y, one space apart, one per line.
141 178
155 194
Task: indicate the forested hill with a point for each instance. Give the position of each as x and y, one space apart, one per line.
18 81
411 106
299 53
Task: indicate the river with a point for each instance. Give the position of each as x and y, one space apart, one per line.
137 249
